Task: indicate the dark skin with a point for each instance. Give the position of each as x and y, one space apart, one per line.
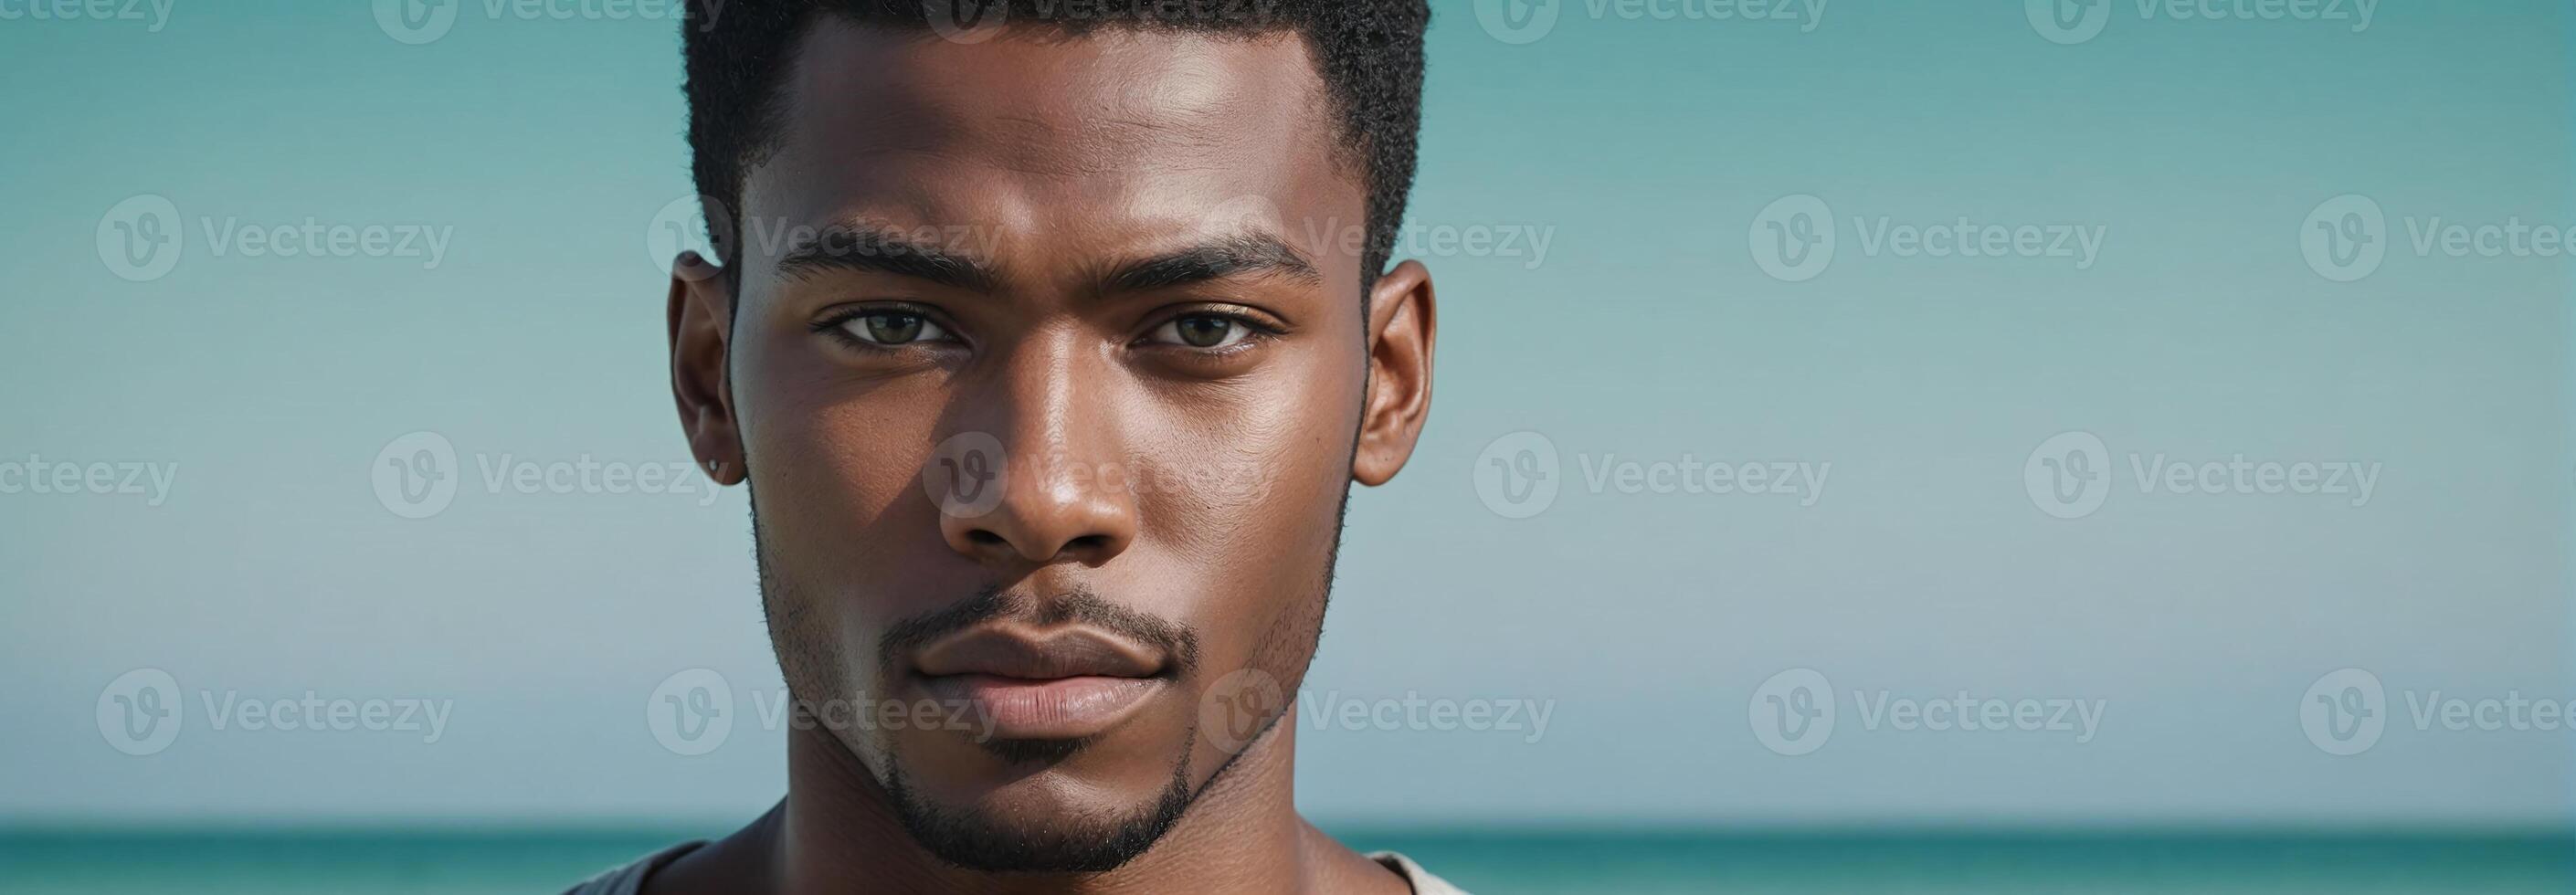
1099 300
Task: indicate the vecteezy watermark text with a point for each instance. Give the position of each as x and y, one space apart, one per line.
1795 238
1235 708
970 473
1520 474
37 475
704 225
142 711
2346 712
2070 475
692 713
1525 21
142 238
154 13
2078 21
415 476
424 21
1794 713
1331 710
2347 237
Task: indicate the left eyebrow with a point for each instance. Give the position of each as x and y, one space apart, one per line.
1242 256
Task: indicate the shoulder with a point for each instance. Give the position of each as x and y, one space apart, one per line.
1423 882
629 880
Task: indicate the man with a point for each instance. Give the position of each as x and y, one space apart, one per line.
1048 348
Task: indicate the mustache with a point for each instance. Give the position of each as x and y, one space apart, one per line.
1080 606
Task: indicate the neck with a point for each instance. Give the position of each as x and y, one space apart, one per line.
839 831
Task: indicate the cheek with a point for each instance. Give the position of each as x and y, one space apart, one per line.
820 441
1248 473
835 474
1244 510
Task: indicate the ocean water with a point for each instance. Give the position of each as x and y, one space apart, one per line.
458 862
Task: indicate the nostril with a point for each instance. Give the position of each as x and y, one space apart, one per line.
1087 544
985 538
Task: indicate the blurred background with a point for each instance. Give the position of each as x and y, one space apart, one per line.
2050 446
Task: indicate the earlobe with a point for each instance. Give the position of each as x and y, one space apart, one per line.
1403 329
701 318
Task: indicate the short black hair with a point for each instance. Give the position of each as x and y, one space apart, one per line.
1368 53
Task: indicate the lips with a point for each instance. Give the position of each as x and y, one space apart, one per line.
1072 652
1063 684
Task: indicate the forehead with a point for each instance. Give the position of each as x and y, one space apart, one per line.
1114 140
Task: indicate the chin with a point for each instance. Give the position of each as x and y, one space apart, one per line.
1045 821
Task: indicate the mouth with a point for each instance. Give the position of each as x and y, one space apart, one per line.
1055 685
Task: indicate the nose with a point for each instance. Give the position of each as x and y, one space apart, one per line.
1061 496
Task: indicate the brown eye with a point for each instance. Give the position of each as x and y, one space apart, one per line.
1202 331
893 328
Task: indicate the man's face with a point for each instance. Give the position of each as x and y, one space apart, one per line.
1047 368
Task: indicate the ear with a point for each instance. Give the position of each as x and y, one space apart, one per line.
701 326
1403 327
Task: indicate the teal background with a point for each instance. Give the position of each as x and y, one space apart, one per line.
1649 862
1646 148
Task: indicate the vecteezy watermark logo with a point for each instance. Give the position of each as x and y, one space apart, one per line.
2344 238
1236 708
2070 475
2077 21
1524 21
138 713
37 475
2068 21
140 239
1792 239
1517 475
1691 475
1331 710
1793 712
2347 237
2344 712
141 713
966 475
691 713
970 473
966 21
688 224
416 22
2347 711
1526 243
155 12
415 475
1517 21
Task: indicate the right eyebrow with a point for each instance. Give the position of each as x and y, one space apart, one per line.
1241 256
856 246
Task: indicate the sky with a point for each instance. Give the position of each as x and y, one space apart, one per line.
2125 413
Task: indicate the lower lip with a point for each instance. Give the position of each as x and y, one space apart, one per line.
1055 708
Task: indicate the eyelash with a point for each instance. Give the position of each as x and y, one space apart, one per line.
1255 331
837 326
